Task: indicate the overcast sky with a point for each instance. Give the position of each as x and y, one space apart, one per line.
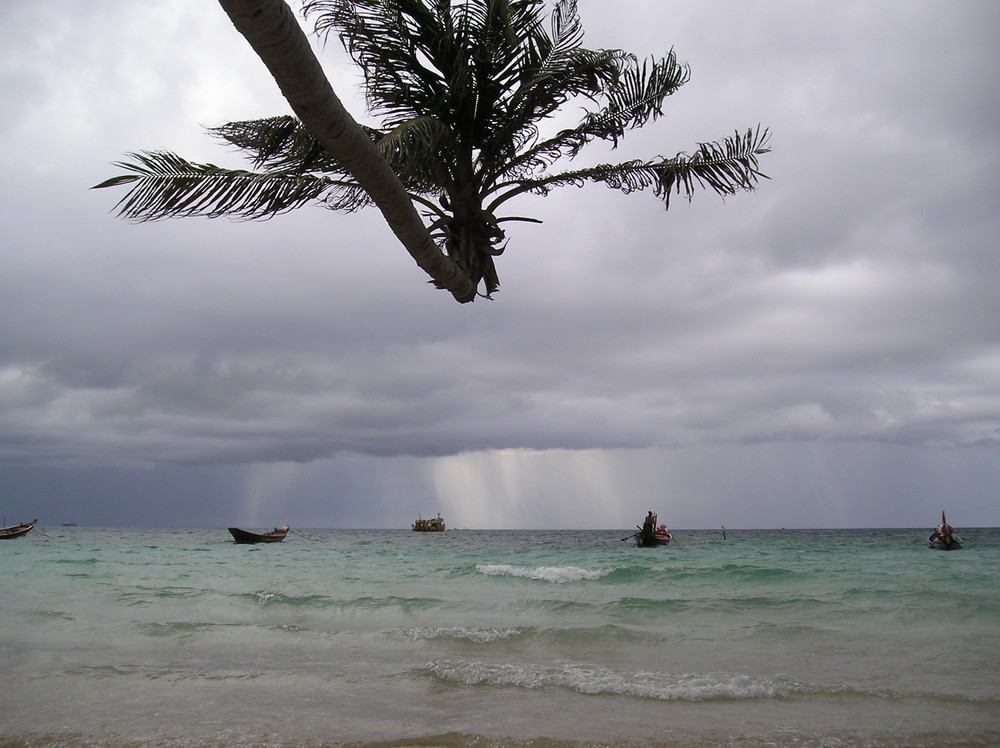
824 352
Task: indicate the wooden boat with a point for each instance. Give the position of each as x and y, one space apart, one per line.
245 536
652 538
943 538
436 524
650 534
16 531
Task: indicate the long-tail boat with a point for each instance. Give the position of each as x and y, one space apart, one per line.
943 538
16 531
245 536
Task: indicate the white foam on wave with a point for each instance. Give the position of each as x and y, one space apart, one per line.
554 574
597 680
478 635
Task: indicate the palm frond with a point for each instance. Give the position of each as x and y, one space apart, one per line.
165 185
636 97
567 36
280 143
411 148
402 76
725 167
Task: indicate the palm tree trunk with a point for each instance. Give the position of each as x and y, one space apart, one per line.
274 34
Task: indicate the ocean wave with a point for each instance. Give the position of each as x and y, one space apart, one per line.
189 628
104 672
52 614
586 638
266 597
759 573
734 605
164 592
644 606
553 574
472 634
341 605
707 738
598 680
182 629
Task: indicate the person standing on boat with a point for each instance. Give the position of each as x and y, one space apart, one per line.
943 532
649 523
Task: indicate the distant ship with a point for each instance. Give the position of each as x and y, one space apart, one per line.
429 525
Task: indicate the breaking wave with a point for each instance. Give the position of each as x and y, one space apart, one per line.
597 680
553 574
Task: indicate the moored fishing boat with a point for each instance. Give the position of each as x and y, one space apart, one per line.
245 536
943 538
16 531
435 524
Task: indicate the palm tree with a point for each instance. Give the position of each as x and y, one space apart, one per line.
461 88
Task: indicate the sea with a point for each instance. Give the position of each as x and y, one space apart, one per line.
848 638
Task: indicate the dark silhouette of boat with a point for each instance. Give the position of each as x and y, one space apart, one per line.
943 538
435 524
650 534
245 536
16 531
652 538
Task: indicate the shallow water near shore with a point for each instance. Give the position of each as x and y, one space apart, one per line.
122 637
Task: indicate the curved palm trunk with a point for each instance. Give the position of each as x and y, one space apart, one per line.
274 34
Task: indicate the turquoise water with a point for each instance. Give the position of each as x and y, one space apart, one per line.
121 637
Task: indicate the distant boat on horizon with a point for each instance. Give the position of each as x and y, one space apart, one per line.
435 524
943 538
